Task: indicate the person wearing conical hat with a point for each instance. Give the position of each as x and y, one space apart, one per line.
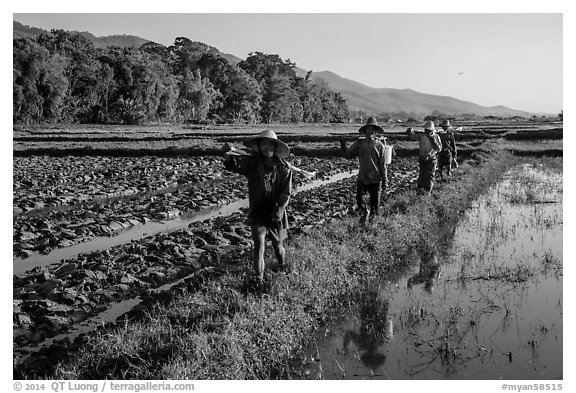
448 154
430 146
269 188
372 172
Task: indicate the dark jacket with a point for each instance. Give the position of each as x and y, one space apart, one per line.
267 207
448 142
430 144
371 160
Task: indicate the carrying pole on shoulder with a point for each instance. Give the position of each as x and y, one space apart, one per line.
244 151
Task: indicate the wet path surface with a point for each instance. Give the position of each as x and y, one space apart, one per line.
488 306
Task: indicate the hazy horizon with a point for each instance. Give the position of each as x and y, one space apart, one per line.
512 60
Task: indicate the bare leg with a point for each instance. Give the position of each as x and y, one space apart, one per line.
259 237
360 192
280 252
278 236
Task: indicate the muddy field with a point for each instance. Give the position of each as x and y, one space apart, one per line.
109 220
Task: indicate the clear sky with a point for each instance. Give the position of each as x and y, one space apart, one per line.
510 59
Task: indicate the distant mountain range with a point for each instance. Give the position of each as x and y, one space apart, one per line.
357 95
376 100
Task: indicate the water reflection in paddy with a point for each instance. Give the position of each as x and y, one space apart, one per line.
489 306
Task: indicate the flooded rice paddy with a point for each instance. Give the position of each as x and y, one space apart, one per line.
73 290
58 209
486 303
117 309
124 236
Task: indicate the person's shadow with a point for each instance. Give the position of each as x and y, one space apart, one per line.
375 330
428 272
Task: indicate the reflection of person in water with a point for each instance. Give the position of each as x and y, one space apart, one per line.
376 328
428 273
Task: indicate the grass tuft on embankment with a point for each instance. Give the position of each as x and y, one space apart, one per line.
223 332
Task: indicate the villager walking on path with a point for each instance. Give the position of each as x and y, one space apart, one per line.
448 154
373 172
269 188
430 146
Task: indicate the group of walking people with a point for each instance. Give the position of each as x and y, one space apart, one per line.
437 150
269 178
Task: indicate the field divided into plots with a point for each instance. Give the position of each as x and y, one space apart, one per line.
62 201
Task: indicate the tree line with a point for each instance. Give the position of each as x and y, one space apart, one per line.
62 77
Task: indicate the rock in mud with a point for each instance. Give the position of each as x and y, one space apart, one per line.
65 270
121 288
236 239
65 243
115 226
23 320
26 236
56 324
105 294
49 286
66 296
45 306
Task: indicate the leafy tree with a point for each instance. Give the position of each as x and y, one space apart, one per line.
62 76
39 81
53 86
102 93
196 95
310 98
340 112
319 103
28 62
69 44
240 95
144 87
263 67
81 70
185 54
159 51
280 102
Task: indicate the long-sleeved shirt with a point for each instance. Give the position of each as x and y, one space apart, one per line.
269 188
448 142
371 160
429 145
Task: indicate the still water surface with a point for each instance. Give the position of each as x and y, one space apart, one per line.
488 306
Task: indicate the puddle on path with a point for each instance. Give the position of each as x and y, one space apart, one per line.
488 307
137 232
